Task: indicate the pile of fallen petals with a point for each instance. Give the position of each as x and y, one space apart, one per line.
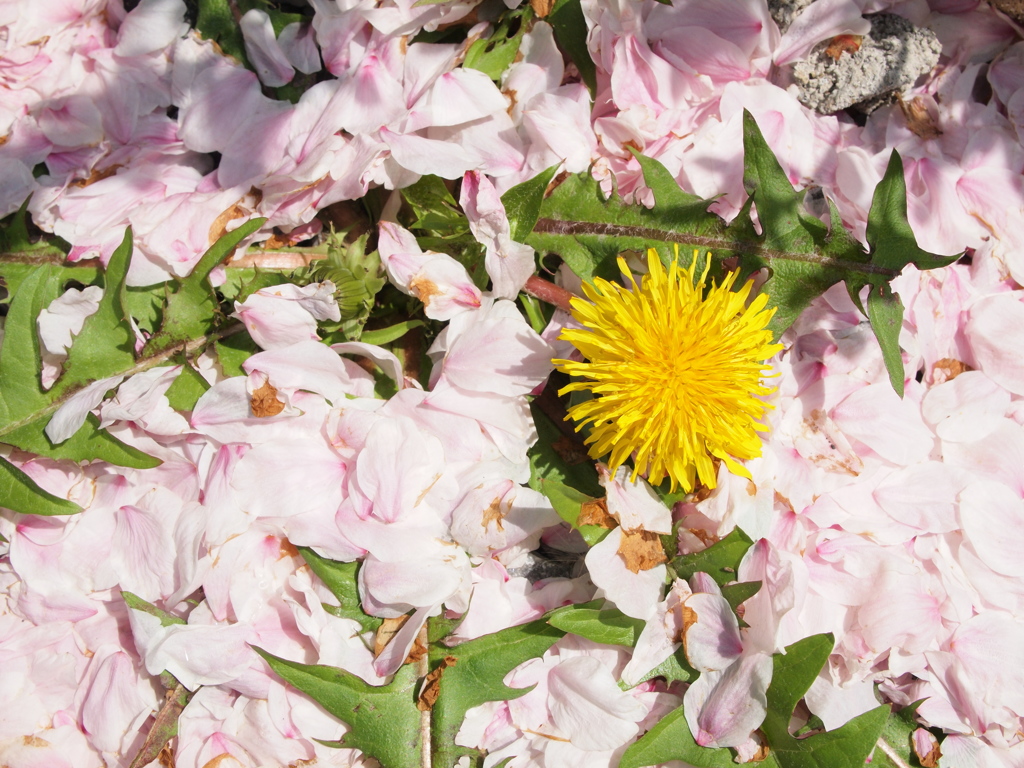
892 523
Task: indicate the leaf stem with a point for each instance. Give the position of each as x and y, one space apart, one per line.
422 670
144 364
892 754
651 234
548 292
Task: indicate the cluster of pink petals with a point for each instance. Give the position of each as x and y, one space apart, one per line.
890 523
89 91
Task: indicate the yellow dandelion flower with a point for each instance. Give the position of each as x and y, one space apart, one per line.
676 376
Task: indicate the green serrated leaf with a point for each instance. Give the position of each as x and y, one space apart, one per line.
897 735
145 305
736 594
106 344
186 389
522 203
136 603
234 350
889 235
720 561
671 739
780 209
570 28
792 675
391 333
14 231
674 668
384 721
476 677
216 22
577 472
19 493
340 578
430 195
493 55
191 310
13 270
242 283
885 311
568 503
25 408
610 626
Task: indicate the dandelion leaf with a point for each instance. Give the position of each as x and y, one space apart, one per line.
803 254
492 55
475 676
522 203
570 28
102 349
720 561
341 579
792 675
897 734
19 493
670 739
186 389
609 626
384 720
192 309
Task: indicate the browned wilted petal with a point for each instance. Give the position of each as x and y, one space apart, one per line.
264 401
493 514
432 685
948 368
424 289
641 550
388 629
596 513
542 7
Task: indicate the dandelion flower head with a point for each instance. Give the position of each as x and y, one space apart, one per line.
676 374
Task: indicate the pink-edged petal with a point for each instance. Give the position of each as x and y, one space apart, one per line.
723 708
711 631
889 426
996 324
263 50
114 705
966 408
69 418
836 705
286 478
459 96
508 263
370 98
494 350
385 360
298 42
820 21
634 504
196 655
312 367
395 652
993 522
428 577
151 26
429 156
587 705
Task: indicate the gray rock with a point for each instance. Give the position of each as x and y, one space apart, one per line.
784 11
548 563
890 58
